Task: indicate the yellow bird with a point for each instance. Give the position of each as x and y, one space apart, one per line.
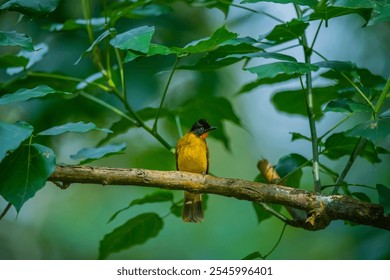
192 155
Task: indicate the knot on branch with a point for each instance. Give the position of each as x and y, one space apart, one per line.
318 219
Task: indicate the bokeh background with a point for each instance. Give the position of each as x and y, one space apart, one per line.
69 224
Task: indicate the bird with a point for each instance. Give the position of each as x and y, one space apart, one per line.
192 155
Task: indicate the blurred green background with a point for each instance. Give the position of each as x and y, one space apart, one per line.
69 224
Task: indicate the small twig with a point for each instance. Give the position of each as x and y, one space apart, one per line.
6 209
277 242
165 93
357 149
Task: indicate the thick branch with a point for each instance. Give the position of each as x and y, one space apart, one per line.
320 209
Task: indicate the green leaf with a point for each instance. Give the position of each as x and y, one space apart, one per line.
384 197
373 130
367 79
135 231
310 3
262 214
355 4
380 14
32 56
24 172
25 94
338 145
137 39
220 36
79 127
328 12
31 7
12 135
91 154
338 66
290 167
297 136
293 101
259 82
110 32
361 196
13 61
286 31
155 49
72 24
253 256
157 196
347 106
16 39
207 64
273 69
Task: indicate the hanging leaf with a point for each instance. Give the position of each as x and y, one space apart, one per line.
273 69
290 168
79 127
373 130
338 66
262 214
157 196
135 231
347 106
137 39
380 14
109 32
12 135
298 136
7 61
338 145
384 197
30 7
72 24
328 12
286 32
16 39
293 101
253 256
33 57
90 154
24 172
259 82
220 36
25 94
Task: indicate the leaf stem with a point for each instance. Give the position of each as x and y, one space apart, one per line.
277 242
310 108
334 127
108 106
6 209
68 78
359 91
359 146
165 93
87 16
382 97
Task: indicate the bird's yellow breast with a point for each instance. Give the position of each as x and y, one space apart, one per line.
192 154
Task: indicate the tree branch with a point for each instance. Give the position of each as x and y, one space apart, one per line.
320 209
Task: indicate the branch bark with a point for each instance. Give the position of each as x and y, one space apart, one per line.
320 209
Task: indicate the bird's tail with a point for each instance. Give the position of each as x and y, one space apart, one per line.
192 208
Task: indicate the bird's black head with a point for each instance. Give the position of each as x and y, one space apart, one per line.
201 127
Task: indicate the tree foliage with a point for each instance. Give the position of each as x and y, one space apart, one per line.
117 38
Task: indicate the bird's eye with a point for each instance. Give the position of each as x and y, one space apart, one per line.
201 128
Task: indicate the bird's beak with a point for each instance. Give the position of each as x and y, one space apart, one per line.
212 128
